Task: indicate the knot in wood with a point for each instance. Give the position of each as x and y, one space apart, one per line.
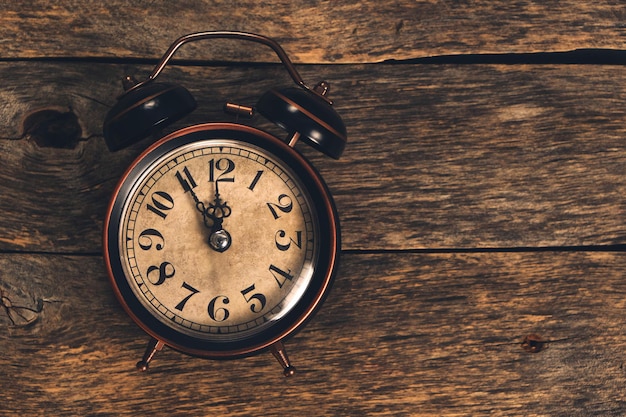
51 128
533 343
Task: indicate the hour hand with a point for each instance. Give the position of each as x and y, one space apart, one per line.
212 216
211 220
219 239
218 210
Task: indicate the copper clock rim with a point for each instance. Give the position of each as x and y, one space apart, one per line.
322 290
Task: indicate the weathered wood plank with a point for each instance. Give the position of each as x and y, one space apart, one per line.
400 334
312 32
438 156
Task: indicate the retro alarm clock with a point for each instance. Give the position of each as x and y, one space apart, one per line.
221 240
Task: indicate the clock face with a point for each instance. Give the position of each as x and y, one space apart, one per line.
216 243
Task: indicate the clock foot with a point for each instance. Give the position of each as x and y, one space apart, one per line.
153 347
279 352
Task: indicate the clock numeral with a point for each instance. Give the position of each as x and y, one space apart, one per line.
256 179
221 313
285 246
285 205
187 182
161 202
145 239
223 164
186 286
256 300
281 276
165 270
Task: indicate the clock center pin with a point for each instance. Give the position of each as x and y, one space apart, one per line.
220 240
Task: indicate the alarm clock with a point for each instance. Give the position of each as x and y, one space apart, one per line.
221 240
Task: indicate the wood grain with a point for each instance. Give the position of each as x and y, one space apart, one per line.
311 31
439 157
400 335
480 204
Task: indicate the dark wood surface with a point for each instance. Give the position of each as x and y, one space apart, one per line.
313 31
480 204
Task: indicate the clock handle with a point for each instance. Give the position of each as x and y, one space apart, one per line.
279 352
226 34
154 346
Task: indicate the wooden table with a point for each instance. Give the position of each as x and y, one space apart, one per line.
482 200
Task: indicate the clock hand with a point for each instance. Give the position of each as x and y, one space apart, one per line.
211 221
213 218
219 238
206 215
220 208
